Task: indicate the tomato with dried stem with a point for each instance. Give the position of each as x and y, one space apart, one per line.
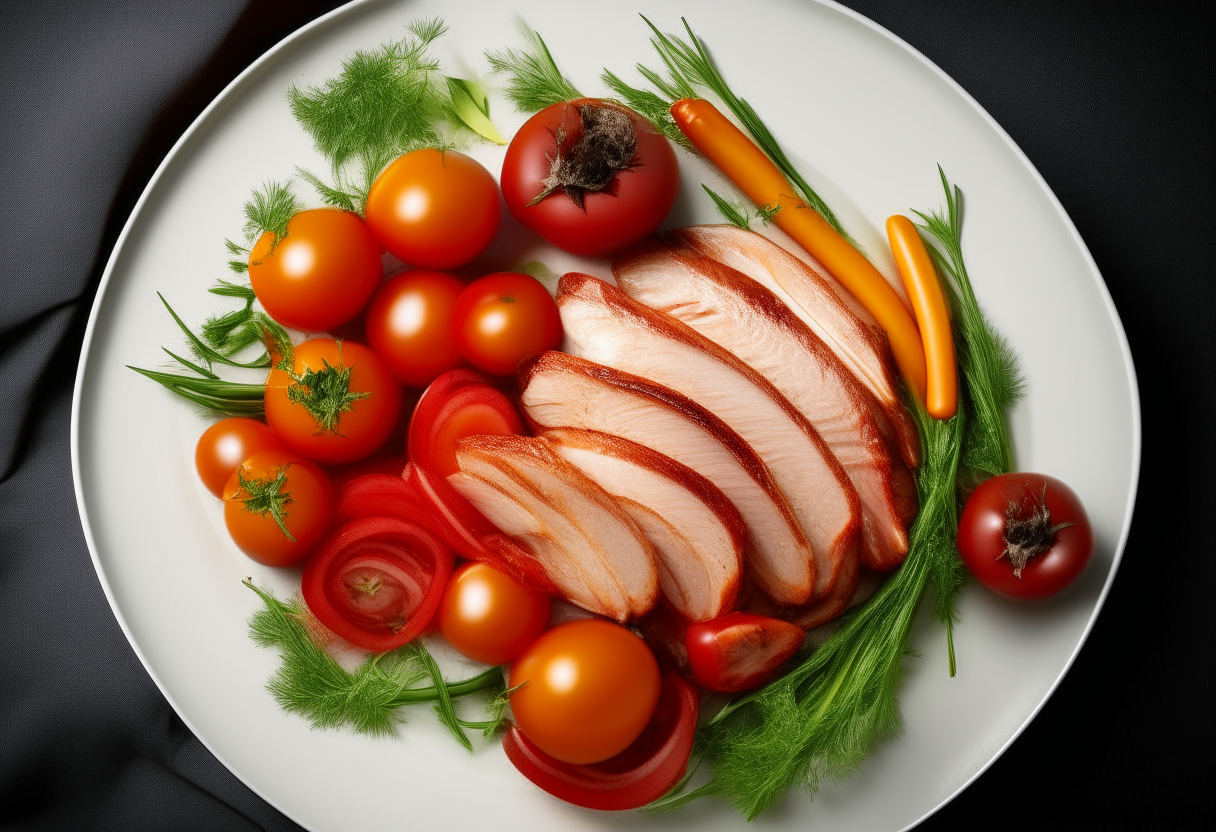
1025 536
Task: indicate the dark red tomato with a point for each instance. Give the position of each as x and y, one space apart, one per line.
228 443
739 651
1025 536
502 317
639 775
591 688
434 209
489 616
456 405
338 404
320 274
278 507
409 325
590 215
377 581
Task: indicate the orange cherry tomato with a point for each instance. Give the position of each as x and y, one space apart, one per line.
489 616
320 274
277 485
409 325
228 443
502 317
361 424
434 209
592 686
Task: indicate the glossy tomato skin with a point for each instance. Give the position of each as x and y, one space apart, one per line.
502 317
434 209
377 581
307 516
320 274
225 445
361 430
631 207
639 775
982 527
489 616
592 686
409 324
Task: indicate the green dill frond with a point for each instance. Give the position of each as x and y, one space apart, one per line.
533 80
385 100
335 197
308 681
733 212
268 210
655 108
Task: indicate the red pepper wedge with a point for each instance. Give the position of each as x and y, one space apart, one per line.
738 651
377 581
641 774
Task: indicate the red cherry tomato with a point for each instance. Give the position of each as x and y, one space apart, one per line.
1031 520
377 581
502 317
592 686
739 651
641 774
409 325
631 206
272 486
434 209
458 404
338 425
228 443
320 274
489 616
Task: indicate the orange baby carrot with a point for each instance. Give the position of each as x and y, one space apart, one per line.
932 314
754 173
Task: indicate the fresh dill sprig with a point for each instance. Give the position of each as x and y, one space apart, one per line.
737 213
689 69
269 209
533 80
989 364
310 683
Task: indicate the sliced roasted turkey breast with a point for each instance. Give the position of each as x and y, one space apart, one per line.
847 329
697 532
605 325
587 543
749 321
561 390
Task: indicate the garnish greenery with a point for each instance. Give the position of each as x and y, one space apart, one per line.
739 214
265 496
324 393
533 80
310 683
689 71
824 717
222 337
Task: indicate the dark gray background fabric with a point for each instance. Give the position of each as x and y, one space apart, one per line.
1112 102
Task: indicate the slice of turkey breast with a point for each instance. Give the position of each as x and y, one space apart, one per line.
604 325
587 543
697 532
847 329
749 321
561 390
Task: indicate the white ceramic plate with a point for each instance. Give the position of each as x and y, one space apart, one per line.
868 120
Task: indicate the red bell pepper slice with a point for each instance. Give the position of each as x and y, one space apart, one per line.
377 581
641 774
